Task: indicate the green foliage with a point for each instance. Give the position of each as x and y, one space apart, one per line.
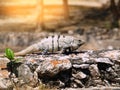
9 54
14 62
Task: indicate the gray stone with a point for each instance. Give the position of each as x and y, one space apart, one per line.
79 83
5 84
53 67
94 71
103 60
112 54
83 66
25 74
79 75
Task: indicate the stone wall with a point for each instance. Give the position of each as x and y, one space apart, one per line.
86 69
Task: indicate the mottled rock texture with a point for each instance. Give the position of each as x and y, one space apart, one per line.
77 70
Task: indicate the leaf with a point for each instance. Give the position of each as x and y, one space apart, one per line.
9 53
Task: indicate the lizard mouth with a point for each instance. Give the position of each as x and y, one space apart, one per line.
81 43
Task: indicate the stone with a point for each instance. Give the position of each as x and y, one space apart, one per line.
5 84
103 60
3 62
94 71
82 66
4 74
81 69
53 67
112 54
79 83
79 75
25 74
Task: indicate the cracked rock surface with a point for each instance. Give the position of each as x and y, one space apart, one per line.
85 69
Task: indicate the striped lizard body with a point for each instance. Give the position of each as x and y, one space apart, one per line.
53 44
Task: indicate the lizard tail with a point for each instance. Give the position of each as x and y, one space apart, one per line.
28 50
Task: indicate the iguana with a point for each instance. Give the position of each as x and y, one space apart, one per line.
53 44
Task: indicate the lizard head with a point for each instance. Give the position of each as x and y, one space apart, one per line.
80 42
76 43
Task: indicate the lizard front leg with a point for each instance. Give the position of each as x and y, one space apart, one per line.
45 51
65 50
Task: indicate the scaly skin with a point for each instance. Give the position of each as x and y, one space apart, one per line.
53 44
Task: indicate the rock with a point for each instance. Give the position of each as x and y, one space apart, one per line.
5 84
57 84
3 62
82 66
79 75
79 83
81 69
53 67
4 73
94 71
25 74
112 54
103 60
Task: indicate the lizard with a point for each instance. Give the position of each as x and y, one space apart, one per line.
53 44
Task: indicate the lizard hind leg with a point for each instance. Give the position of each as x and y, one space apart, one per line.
45 51
66 50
